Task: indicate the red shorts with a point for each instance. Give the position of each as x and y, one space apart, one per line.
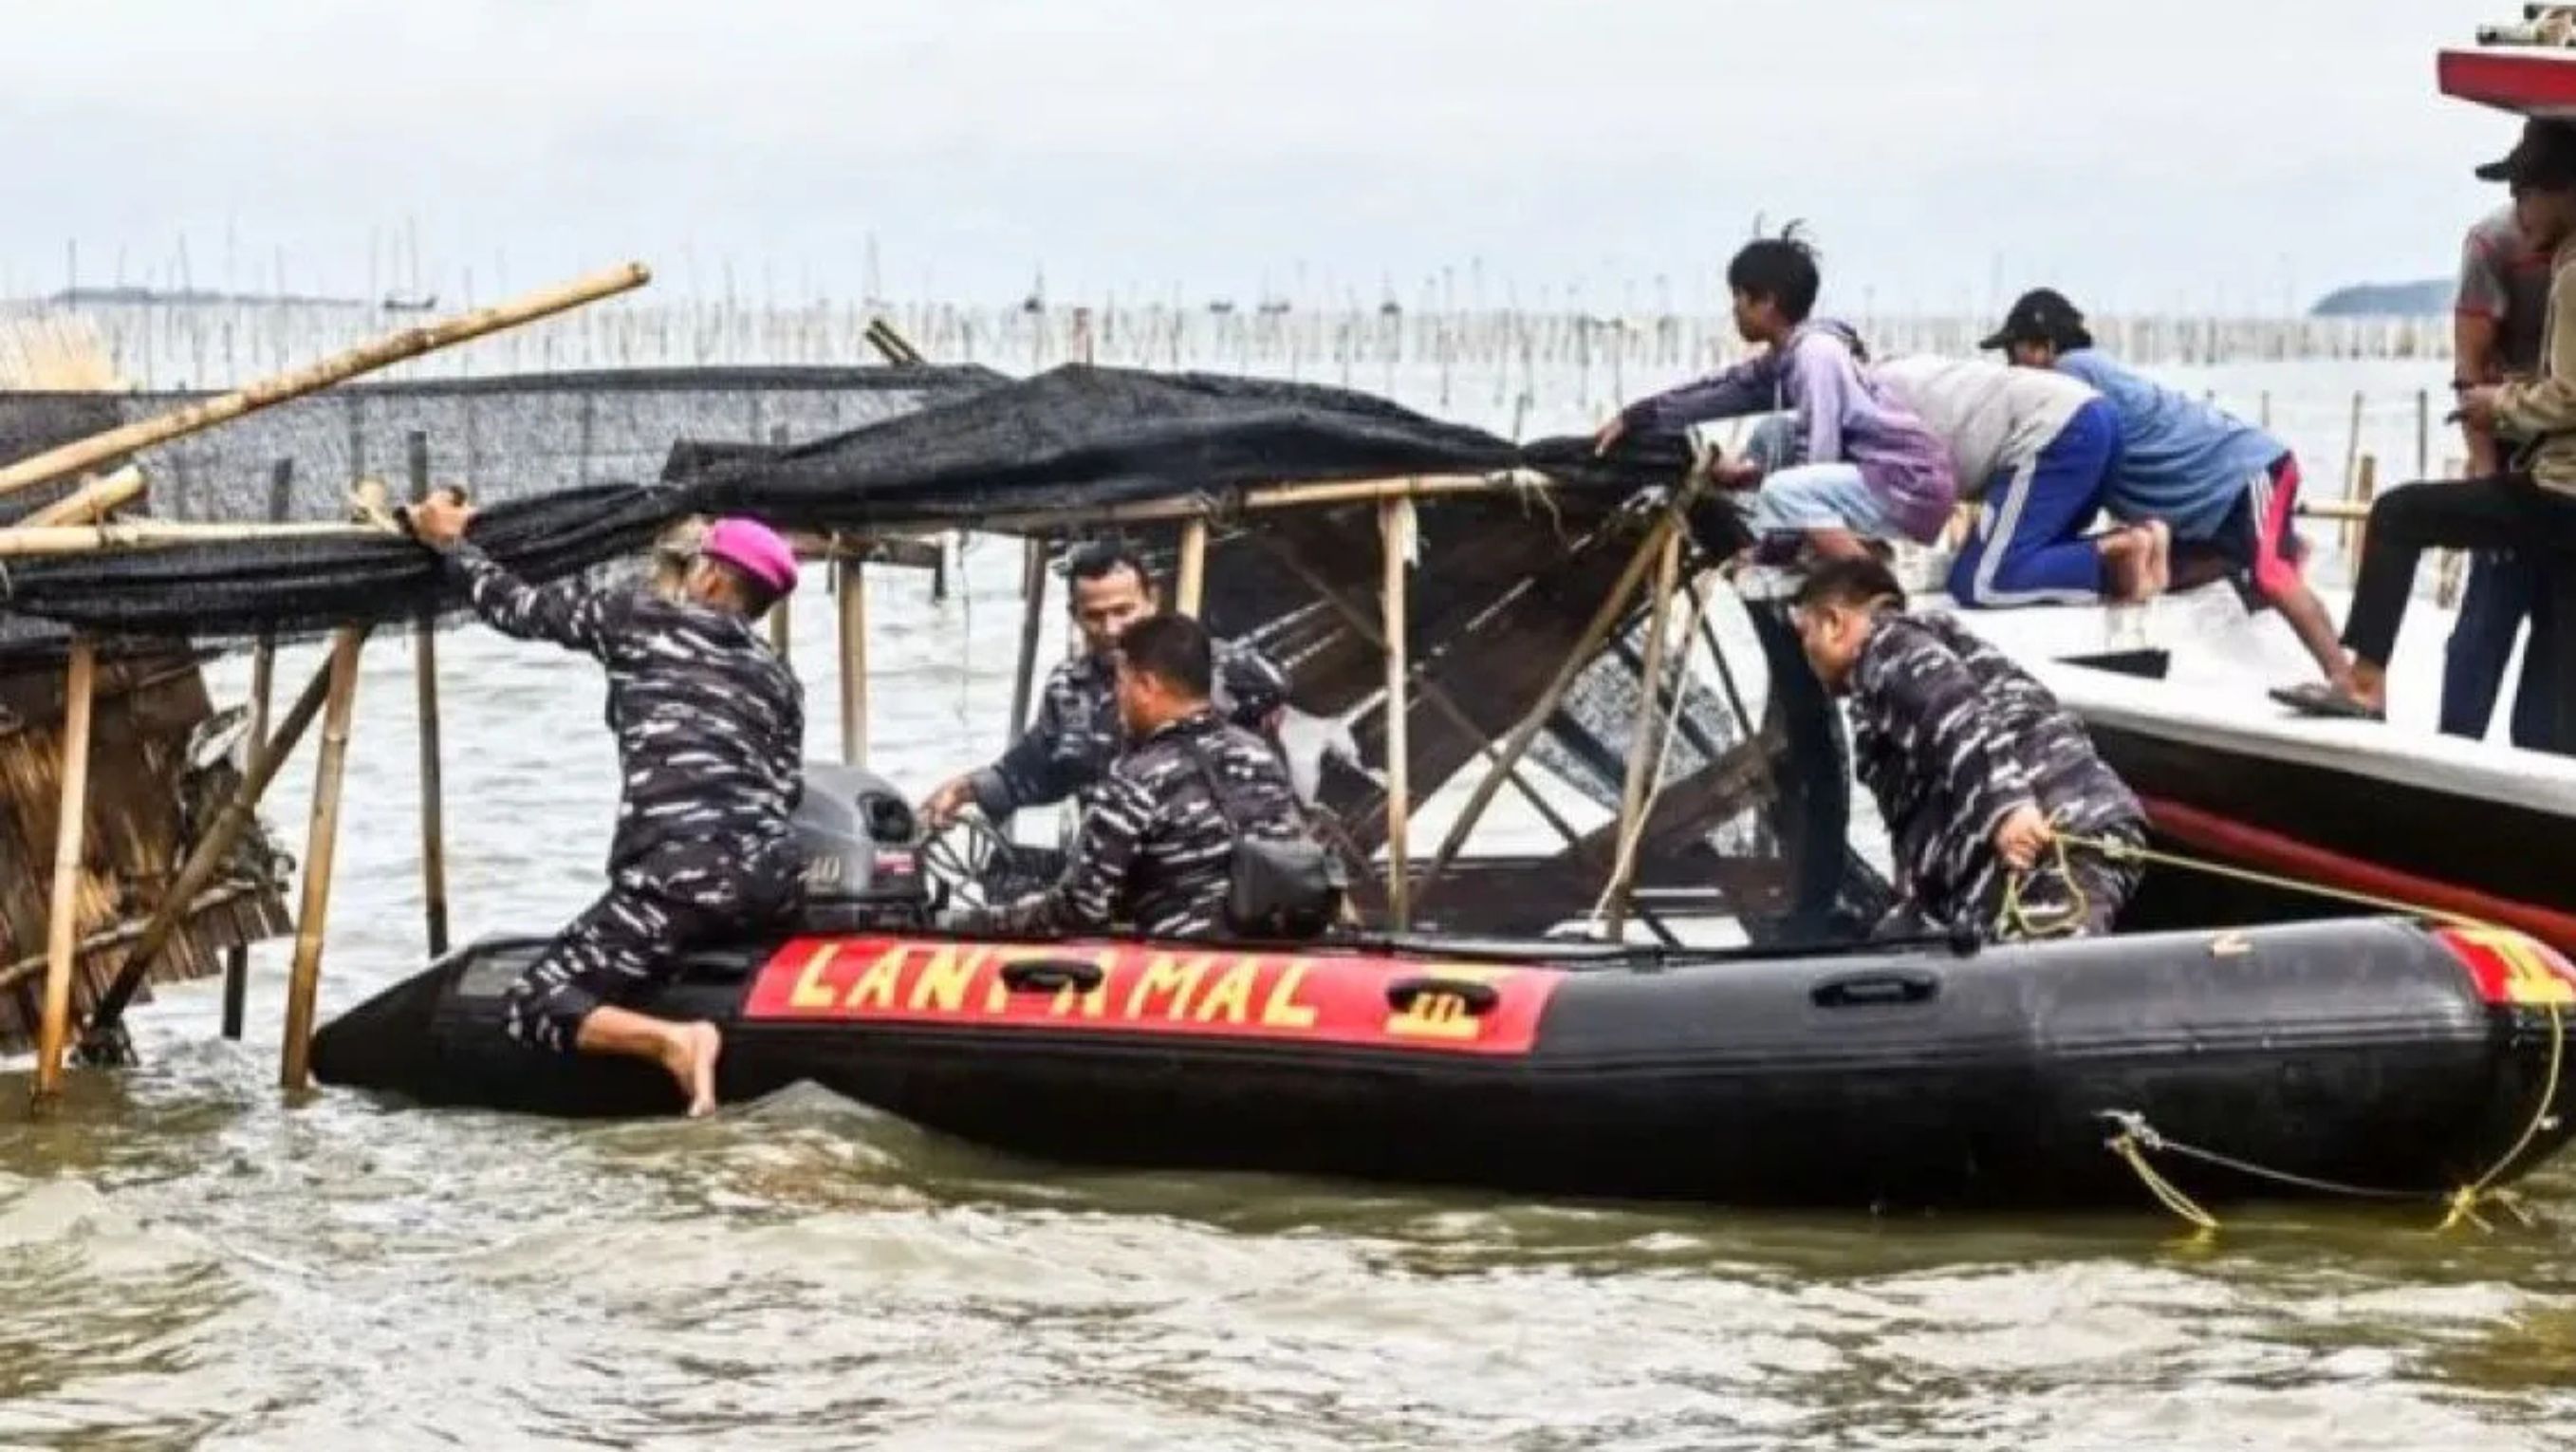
2260 538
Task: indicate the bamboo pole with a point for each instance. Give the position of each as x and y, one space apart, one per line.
103 1041
1191 587
145 534
62 909
433 807
1033 558
1512 482
1395 549
2365 487
1613 606
851 580
1642 743
781 624
263 680
89 453
94 500
321 847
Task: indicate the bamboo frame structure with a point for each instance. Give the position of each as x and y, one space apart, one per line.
62 918
321 848
1395 550
1644 747
433 806
1613 608
85 454
94 500
850 580
102 1041
1190 584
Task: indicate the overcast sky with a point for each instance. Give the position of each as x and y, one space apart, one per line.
2176 153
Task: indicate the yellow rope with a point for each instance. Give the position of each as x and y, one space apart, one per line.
2464 1203
2017 922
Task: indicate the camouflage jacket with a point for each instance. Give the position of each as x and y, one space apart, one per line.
1076 735
1951 737
710 724
1155 852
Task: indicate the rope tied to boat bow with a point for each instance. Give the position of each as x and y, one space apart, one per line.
2135 1140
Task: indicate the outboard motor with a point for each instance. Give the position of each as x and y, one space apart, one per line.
862 853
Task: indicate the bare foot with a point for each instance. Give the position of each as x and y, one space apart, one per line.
690 1056
2159 557
2125 564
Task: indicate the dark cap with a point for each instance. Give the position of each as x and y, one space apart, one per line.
2544 157
2041 315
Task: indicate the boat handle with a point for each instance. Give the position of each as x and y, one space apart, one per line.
1476 998
1050 975
1870 990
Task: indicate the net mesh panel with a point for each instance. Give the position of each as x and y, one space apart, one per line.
1076 438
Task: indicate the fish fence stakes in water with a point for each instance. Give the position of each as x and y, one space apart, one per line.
1641 742
313 913
433 811
62 908
1395 549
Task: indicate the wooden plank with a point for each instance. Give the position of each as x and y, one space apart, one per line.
433 809
321 848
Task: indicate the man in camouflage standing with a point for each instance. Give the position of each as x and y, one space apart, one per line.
710 728
1976 768
1065 752
1156 851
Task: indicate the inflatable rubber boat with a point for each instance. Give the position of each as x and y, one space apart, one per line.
2371 1053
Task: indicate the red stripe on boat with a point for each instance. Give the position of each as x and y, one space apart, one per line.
2529 82
2233 841
1192 991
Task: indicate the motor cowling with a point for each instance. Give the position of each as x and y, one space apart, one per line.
862 846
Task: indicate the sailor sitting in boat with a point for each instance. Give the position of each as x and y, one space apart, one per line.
710 730
1076 736
1977 770
1196 832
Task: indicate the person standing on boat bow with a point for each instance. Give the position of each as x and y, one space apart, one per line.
1977 770
710 727
1076 736
1196 832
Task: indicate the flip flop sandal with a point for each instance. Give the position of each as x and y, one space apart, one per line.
2315 698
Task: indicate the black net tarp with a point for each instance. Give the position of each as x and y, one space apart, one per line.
1075 439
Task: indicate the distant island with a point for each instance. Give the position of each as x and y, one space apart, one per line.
2387 300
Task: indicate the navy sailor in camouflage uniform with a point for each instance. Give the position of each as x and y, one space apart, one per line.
710 727
1156 850
1976 767
1065 752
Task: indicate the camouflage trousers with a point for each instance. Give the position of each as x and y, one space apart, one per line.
632 939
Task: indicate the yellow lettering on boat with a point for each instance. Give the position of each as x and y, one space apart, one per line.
943 981
1434 1016
2528 980
1232 995
1281 1009
810 990
1173 977
876 987
1097 1000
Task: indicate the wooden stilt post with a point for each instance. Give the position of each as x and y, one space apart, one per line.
263 684
313 913
1033 562
1644 749
433 806
850 579
2356 535
1395 549
62 918
1191 587
1613 607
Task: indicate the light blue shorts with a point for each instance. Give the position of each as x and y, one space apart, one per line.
1819 496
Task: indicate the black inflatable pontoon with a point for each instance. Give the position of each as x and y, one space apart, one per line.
2373 1053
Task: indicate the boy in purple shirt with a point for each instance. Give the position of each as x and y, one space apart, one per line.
1866 467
